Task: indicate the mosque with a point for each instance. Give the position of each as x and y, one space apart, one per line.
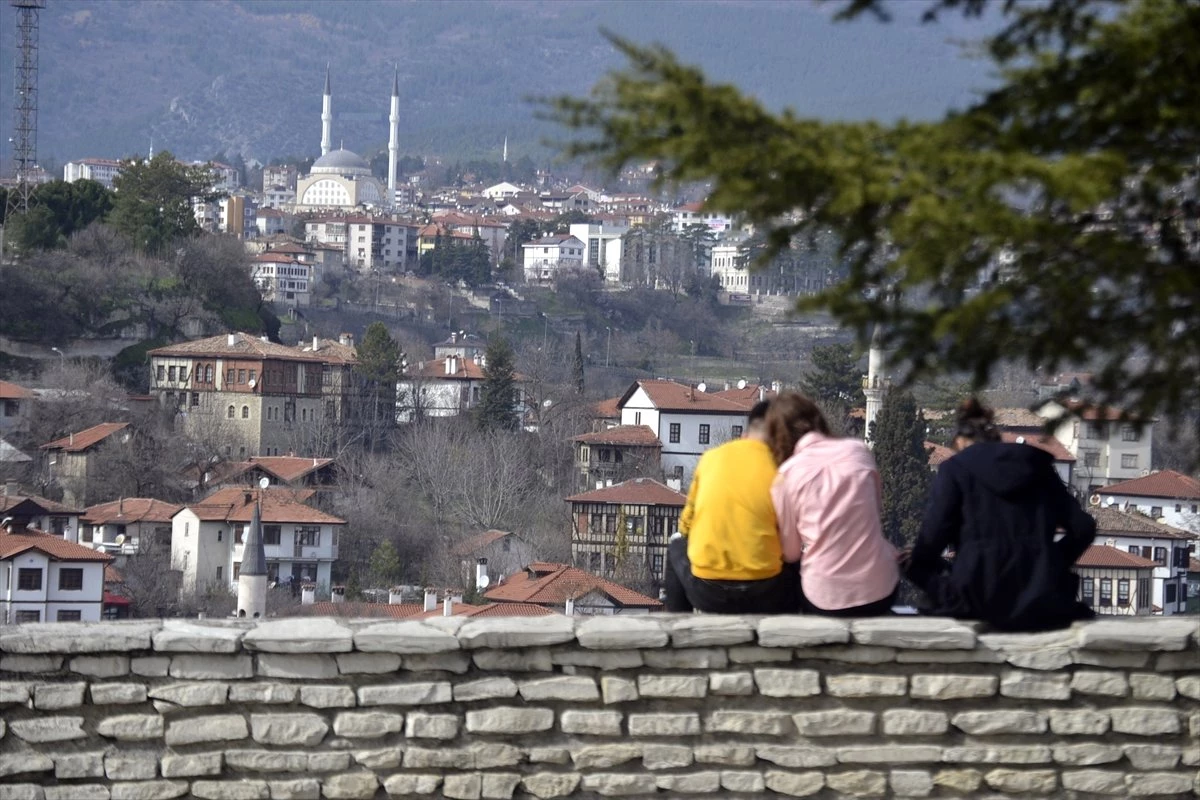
340 179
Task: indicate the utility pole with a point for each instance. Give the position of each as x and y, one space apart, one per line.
25 106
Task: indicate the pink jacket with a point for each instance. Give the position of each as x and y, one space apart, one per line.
828 499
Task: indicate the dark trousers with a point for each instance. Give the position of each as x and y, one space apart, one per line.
685 592
879 608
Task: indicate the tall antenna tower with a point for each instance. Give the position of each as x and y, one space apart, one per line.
25 106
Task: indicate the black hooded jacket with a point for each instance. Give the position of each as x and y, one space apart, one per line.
998 507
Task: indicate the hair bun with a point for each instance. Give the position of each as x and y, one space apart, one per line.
971 410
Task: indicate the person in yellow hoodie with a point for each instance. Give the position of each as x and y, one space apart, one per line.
727 557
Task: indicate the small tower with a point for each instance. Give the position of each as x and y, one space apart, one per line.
252 579
874 385
505 149
327 116
393 140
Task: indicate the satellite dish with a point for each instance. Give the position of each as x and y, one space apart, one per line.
1112 501
264 482
702 387
741 384
547 403
483 581
253 383
120 539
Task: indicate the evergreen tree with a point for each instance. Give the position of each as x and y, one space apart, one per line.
497 407
378 371
835 377
577 364
899 439
153 201
385 565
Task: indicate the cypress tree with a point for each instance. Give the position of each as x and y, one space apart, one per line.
498 396
899 437
577 364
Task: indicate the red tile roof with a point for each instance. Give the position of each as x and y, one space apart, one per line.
672 396
279 505
1165 483
130 510
476 543
11 391
1122 523
608 409
85 439
8 501
55 547
1048 443
1017 418
244 345
1101 555
1194 565
271 257
748 395
638 491
487 610
631 435
365 610
288 468
554 584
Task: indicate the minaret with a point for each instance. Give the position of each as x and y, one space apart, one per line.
393 140
327 116
252 579
874 385
505 149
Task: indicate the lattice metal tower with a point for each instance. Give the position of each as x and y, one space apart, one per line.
25 105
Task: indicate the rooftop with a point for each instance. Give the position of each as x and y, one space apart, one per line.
1103 556
638 491
11 391
629 435
85 439
1114 521
553 584
672 396
242 345
131 510
279 505
1166 483
55 547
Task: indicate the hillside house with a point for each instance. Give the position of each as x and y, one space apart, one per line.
545 258
570 590
16 407
1115 582
625 524
128 526
73 462
1166 496
1170 549
617 453
46 579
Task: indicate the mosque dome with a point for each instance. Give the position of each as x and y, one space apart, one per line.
341 162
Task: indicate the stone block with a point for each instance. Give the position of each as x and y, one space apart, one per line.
206 667
866 685
1145 721
485 689
405 694
326 762
48 729
685 686
546 785
1149 784
1078 722
534 659
986 723
760 723
794 784
889 754
30 664
997 754
367 724
287 729
910 782
1086 754
378 758
841 722
55 696
1147 686
510 719
295 789
499 785
404 785
247 760
327 696
731 683
617 690
269 693
22 791
22 763
1029 685
213 728
1184 661
1109 683
148 790
620 633
591 723
683 724
1111 659
753 654
297 666
610 784
367 663
709 630
150 666
914 633
419 725
1153 756
740 781
549 755
191 695
455 662
959 781
70 766
190 765
858 783
1094 781
106 666
787 682
729 755
407 637
690 784
953 687
75 791
299 635
571 688
598 659
1189 685
1156 634
1017 781
801 631
350 786
46 638
188 636
244 789
14 693
687 658
603 756
131 765
848 654
463 787
106 694
804 756
907 722
131 727
977 656
666 756
516 632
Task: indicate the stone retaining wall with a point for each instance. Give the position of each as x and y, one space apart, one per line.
673 706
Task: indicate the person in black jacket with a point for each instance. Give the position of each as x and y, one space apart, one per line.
1013 528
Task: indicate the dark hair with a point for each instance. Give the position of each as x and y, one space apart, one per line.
758 412
790 416
975 422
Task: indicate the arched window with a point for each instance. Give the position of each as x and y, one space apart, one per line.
245 412
208 374
230 412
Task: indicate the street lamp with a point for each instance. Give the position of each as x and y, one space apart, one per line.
62 359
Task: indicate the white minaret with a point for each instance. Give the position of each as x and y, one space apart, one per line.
505 149
252 577
393 140
874 385
327 117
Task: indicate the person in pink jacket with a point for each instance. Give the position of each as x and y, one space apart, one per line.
828 498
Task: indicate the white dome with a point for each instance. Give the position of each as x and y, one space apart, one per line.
341 162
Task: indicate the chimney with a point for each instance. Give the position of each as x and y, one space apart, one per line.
453 337
12 489
265 338
448 607
338 594
481 575
231 339
599 484
430 599
762 393
607 482
776 386
451 368
71 439
395 596
346 339
316 343
570 609
308 594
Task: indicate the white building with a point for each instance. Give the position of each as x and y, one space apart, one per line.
1165 496
282 279
693 214
544 258
46 579
687 420
128 526
301 542
602 247
1115 582
1107 449
271 221
1169 548
376 243
445 387
101 170
501 191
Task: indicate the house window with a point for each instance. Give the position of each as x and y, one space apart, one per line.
245 412
11 408
618 456
674 434
704 429
1123 592
208 374
230 375
1160 556
1087 589
239 533
594 563
505 545
605 455
29 580
1091 458
677 472
254 375
1178 507
1130 434
610 523
28 616
1169 593
229 412
70 579
241 376
736 431
1105 592
656 565
220 534
237 571
1155 512
271 534
161 373
69 615
1129 460
171 374
637 418
1093 431
1143 595
308 537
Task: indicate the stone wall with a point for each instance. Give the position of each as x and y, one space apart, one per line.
598 707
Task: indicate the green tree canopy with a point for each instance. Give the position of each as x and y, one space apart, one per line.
497 407
378 371
153 203
385 567
898 436
1047 223
57 210
835 377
